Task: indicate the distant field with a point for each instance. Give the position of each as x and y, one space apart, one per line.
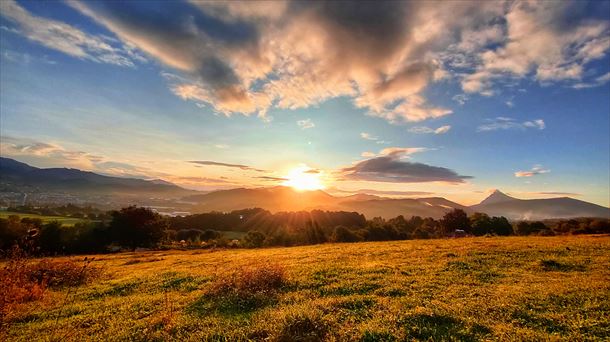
67 221
512 288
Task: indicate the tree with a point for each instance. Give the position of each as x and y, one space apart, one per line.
188 234
523 228
11 231
501 226
210 235
344 234
50 237
481 224
254 239
137 227
455 219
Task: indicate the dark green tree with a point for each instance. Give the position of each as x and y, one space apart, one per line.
481 224
50 237
455 219
137 227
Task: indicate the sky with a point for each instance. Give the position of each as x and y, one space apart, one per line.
412 99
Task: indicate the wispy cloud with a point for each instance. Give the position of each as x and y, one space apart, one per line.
272 179
306 123
597 82
428 130
62 37
536 170
14 146
213 163
503 123
384 192
368 136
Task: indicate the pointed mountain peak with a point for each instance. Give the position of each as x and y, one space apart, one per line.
497 196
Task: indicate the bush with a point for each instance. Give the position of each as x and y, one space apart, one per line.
22 281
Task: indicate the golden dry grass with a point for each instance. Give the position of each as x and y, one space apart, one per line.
512 288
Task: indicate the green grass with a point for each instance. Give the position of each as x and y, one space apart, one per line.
67 221
471 289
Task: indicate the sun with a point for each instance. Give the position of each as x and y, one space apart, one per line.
304 178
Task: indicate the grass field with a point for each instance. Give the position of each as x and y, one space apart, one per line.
67 221
513 288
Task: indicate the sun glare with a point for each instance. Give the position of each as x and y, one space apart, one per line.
304 178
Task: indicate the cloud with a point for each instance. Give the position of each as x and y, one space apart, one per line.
62 37
460 98
213 163
597 82
390 166
14 146
272 179
385 192
428 130
504 123
368 136
536 170
56 155
545 40
558 193
305 124
248 57
199 180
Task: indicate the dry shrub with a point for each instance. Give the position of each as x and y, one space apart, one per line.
22 281
249 287
63 273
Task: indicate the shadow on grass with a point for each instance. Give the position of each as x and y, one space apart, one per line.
438 327
477 268
551 265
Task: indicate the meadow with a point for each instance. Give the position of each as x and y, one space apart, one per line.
66 221
468 289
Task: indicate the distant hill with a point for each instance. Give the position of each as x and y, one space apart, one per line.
500 204
18 176
282 198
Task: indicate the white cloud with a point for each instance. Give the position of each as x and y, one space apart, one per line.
460 98
306 124
368 136
597 82
428 130
545 39
536 170
503 123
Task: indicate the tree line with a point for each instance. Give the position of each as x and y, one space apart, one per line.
135 227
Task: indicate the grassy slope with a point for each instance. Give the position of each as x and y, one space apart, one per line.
515 288
67 221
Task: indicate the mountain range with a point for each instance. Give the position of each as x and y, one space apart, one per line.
17 176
